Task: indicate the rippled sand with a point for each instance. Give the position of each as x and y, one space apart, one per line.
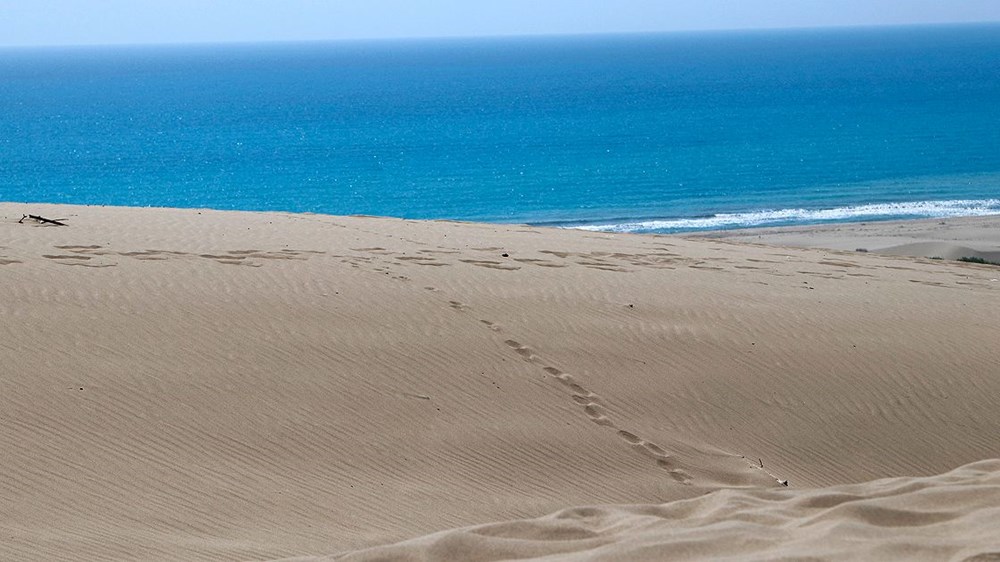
182 384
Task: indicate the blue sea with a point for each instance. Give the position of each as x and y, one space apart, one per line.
641 133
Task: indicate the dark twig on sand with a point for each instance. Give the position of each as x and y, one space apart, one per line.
42 219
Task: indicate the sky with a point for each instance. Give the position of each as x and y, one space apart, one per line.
103 22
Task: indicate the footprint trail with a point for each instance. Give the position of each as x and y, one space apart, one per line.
590 404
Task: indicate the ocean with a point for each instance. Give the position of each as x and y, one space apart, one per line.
629 133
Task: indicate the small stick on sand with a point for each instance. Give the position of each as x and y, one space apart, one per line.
42 219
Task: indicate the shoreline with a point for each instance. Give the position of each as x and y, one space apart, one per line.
940 238
185 383
944 238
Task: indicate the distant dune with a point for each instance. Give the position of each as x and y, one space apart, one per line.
185 384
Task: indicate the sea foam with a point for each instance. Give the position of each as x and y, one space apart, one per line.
914 209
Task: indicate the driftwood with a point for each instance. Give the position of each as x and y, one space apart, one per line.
42 219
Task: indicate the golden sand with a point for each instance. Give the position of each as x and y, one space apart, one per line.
183 384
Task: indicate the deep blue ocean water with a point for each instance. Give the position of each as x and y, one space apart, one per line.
634 132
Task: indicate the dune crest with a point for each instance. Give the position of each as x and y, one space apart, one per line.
952 516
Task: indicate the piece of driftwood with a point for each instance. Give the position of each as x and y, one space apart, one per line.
42 219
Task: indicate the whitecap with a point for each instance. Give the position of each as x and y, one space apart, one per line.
913 209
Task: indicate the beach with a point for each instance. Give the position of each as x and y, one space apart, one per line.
945 238
197 384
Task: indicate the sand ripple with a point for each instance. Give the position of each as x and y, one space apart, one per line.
953 516
193 385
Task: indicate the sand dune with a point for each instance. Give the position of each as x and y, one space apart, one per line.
182 384
948 517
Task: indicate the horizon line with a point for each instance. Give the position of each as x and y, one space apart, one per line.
555 35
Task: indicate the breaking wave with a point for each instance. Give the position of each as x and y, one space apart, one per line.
782 217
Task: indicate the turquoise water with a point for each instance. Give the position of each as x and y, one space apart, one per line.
632 133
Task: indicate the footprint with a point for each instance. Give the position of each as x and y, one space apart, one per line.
596 413
560 376
602 420
81 264
522 350
655 449
64 257
526 353
221 257
491 265
491 325
79 247
238 262
661 456
457 305
675 473
562 255
441 251
570 382
631 438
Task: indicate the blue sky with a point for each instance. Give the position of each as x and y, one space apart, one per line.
74 22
